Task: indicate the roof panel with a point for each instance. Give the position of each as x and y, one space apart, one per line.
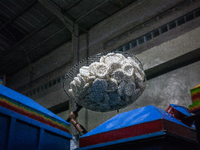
92 19
1 49
20 3
29 24
27 1
5 11
31 19
24 24
13 7
37 14
109 8
12 33
69 1
45 33
5 40
61 3
14 67
77 11
127 2
92 5
20 25
50 44
43 10
3 46
8 59
83 7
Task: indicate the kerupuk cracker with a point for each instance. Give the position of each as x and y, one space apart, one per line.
110 84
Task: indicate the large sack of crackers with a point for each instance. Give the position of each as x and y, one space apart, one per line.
113 81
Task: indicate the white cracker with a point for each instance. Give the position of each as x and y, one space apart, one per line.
97 97
104 107
120 56
94 107
129 59
91 79
86 86
102 59
129 88
102 70
111 85
120 89
135 95
127 99
128 69
84 71
106 98
118 75
110 54
114 66
141 73
74 87
129 79
82 94
71 92
138 75
114 98
99 85
140 84
82 79
92 68
89 90
78 82
111 57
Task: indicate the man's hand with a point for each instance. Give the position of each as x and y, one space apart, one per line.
79 127
73 116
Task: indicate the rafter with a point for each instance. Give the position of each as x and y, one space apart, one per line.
50 6
19 13
90 11
28 51
28 36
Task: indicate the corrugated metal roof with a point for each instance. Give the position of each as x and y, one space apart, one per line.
28 30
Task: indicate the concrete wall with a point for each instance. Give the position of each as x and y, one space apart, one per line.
172 86
169 88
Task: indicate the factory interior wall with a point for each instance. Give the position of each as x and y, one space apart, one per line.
171 76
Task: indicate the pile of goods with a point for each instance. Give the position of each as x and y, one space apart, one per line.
113 82
195 95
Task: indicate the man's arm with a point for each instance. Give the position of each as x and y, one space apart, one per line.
79 127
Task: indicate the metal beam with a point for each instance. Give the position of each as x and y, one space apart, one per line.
73 4
90 11
68 22
60 107
28 36
61 15
19 13
16 60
